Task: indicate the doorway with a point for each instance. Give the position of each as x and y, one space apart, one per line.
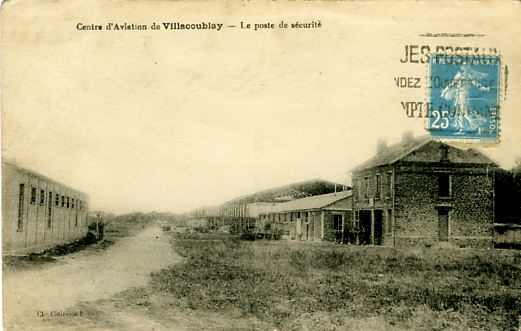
365 227
443 225
378 226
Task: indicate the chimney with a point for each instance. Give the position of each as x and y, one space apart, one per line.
407 137
381 145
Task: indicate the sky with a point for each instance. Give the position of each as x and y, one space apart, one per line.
173 120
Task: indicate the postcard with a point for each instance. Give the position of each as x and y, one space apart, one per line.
261 165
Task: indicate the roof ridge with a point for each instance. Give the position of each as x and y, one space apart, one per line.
418 144
395 152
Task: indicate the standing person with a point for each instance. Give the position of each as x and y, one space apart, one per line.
100 230
458 90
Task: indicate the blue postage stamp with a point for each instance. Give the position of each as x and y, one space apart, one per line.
463 97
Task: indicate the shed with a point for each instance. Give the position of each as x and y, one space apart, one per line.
317 218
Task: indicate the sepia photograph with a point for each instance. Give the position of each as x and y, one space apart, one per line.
271 166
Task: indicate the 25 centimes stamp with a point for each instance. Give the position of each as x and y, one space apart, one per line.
463 97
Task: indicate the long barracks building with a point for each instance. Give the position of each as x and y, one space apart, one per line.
38 212
244 211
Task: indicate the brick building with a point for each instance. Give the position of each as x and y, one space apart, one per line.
321 217
422 191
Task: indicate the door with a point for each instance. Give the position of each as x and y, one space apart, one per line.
365 227
304 226
443 225
378 226
298 225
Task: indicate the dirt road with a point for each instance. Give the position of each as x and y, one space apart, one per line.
29 296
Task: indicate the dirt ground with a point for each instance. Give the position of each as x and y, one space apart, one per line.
62 295
105 289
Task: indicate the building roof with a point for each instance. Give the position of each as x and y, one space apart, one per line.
314 202
36 174
399 151
290 192
395 152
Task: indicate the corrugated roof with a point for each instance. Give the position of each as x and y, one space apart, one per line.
289 192
395 152
314 202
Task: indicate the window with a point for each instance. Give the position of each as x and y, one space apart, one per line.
444 185
33 195
366 191
298 215
338 222
389 184
57 201
72 203
21 199
63 201
49 210
42 197
378 183
291 220
68 202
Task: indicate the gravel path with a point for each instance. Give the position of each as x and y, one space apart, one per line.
83 276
